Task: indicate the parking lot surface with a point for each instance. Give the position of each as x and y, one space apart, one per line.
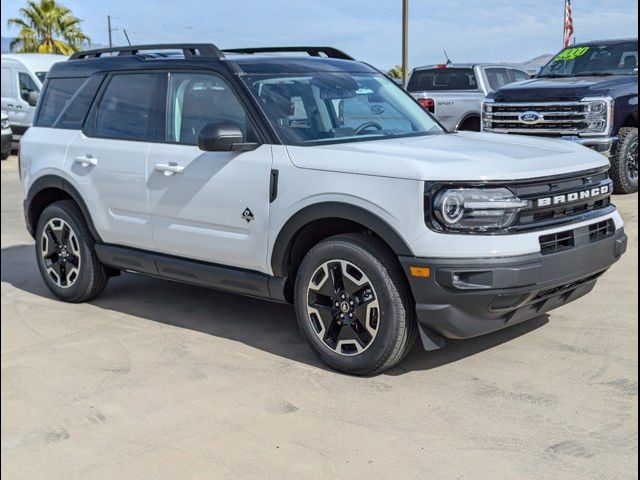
160 380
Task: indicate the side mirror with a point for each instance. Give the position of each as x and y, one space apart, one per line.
223 137
32 98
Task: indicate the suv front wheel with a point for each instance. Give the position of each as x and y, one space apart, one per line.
353 304
66 257
624 171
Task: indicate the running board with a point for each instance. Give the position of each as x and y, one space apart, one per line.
193 272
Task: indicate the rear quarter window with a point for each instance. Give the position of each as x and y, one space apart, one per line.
435 79
56 98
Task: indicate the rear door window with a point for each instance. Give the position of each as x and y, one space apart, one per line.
497 77
132 108
518 75
442 79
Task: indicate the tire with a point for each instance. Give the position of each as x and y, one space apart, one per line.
66 256
383 327
470 125
624 163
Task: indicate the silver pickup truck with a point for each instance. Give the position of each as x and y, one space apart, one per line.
454 91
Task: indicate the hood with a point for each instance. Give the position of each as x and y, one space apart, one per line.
464 156
559 89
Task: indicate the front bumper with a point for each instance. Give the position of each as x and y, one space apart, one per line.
464 298
603 145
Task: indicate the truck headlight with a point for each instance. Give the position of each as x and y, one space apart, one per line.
5 124
477 209
598 113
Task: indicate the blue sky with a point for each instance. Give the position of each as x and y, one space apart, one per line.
470 30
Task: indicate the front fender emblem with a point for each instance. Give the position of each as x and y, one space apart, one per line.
247 215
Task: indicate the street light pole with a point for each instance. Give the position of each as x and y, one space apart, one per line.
405 41
109 27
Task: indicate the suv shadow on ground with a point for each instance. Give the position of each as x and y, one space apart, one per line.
268 326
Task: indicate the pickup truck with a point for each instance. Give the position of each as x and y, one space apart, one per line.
588 94
454 92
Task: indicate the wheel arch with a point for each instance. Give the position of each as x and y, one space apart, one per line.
314 223
631 120
48 189
473 115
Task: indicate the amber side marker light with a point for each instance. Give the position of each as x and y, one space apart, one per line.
424 272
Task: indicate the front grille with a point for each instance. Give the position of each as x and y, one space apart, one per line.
586 195
556 119
541 215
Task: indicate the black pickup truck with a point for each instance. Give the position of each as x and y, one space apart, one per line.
588 93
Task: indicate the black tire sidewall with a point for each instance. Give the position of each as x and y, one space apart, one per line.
87 273
623 184
392 309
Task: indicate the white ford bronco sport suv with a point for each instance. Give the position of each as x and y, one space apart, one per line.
309 179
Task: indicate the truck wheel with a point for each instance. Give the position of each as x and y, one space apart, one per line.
66 256
624 171
353 304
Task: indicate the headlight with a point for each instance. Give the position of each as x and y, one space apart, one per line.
597 114
477 209
5 124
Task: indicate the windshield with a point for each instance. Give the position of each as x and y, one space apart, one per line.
588 60
319 108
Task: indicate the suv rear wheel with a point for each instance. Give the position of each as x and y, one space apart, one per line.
66 257
353 305
625 162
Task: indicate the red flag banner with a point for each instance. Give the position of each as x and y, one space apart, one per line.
568 23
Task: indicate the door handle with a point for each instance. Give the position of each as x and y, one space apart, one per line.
86 160
170 169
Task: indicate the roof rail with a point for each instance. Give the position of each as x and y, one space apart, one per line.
206 50
311 51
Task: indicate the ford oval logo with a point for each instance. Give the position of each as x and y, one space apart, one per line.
530 118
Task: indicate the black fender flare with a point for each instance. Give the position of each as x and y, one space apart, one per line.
58 183
326 210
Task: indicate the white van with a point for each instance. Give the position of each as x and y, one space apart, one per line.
22 77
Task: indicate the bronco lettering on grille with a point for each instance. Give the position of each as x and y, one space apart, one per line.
574 196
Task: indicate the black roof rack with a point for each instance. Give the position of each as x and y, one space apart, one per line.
206 50
329 52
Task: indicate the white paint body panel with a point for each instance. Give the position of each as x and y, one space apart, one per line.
464 156
115 187
199 214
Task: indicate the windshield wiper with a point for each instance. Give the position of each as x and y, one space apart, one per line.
552 75
595 74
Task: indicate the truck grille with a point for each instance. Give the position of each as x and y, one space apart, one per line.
541 216
568 118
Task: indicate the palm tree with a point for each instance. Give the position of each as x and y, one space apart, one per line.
47 27
395 72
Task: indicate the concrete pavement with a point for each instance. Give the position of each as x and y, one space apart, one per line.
159 380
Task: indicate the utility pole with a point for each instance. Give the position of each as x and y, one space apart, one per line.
405 41
109 27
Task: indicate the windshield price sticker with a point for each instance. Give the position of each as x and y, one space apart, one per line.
571 54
